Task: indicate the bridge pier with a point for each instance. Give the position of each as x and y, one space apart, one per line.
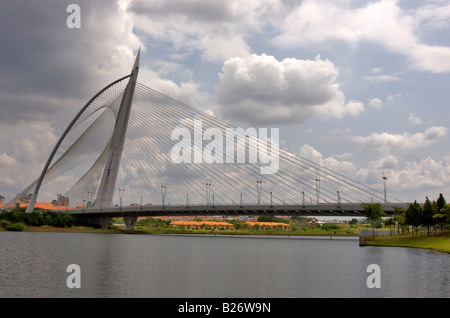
103 221
96 221
130 222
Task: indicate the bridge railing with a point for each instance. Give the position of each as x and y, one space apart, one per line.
333 208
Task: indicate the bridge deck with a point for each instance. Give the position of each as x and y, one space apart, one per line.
329 209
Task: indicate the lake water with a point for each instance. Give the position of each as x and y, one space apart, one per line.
126 265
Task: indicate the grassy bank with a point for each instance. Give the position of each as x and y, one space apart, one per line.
438 243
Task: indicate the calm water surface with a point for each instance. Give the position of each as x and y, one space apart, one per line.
34 265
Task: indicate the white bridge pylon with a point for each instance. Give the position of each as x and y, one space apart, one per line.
122 144
105 193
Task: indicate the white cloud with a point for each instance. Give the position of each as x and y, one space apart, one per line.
260 89
380 78
407 180
393 98
414 119
387 141
335 162
343 156
385 163
412 180
188 92
434 15
376 103
308 152
217 29
23 157
318 22
422 174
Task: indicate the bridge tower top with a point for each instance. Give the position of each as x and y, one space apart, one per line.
109 177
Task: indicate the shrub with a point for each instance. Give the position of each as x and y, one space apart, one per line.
4 224
15 227
330 226
353 221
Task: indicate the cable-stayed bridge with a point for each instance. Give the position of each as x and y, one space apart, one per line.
173 159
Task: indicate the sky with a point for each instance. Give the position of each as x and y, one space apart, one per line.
361 87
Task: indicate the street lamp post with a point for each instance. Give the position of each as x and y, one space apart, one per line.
121 193
208 193
317 188
303 201
258 190
271 202
163 195
384 186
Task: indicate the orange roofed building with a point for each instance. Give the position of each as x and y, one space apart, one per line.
46 206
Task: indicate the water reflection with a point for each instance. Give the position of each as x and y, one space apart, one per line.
34 265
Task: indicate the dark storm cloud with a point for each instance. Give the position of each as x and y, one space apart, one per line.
33 33
29 70
46 67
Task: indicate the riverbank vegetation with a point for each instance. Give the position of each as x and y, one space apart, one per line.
19 220
438 242
298 226
419 225
432 216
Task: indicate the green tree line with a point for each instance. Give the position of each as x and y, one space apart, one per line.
49 218
432 214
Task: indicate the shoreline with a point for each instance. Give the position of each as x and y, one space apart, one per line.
263 236
438 243
156 231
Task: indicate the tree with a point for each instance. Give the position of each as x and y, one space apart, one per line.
443 217
373 213
441 202
399 217
413 215
427 215
446 211
271 218
390 222
440 220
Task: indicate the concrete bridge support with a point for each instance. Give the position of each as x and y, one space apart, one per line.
130 222
103 221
